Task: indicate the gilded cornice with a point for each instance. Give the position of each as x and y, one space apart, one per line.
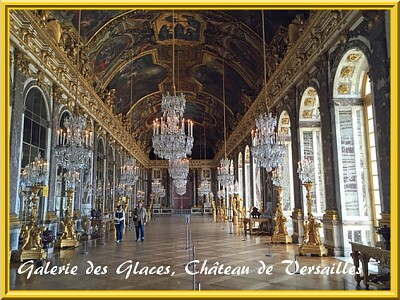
38 48
322 31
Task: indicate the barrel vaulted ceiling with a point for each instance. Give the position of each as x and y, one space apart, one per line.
131 52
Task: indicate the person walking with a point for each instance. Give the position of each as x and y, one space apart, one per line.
119 219
140 219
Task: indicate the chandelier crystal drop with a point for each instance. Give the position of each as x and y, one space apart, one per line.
74 148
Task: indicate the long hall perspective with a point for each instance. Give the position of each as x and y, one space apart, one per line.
239 152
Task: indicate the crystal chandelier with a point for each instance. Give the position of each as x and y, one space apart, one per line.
158 188
74 149
129 172
225 171
140 195
180 190
277 178
306 170
204 188
34 173
179 170
268 150
171 140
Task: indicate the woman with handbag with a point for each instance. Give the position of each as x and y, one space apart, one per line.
119 218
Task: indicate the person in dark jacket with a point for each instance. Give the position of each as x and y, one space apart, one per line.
140 219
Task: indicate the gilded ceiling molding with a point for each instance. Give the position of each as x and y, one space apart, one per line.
28 36
321 32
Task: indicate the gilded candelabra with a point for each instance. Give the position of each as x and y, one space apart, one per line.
68 237
31 233
280 234
311 242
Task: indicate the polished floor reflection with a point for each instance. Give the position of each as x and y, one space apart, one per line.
228 260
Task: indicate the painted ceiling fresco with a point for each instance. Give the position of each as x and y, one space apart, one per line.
131 52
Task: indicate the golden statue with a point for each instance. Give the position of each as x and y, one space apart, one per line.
149 209
234 205
214 209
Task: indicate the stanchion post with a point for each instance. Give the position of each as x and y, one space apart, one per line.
269 250
194 269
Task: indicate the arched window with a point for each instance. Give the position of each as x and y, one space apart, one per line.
35 127
287 167
311 147
240 174
355 132
110 180
247 179
61 203
100 174
373 164
35 133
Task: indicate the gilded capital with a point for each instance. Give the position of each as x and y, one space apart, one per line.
22 62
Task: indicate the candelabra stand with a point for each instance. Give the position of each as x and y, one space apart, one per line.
68 237
32 234
280 234
312 242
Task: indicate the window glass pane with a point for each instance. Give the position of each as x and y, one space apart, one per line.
377 197
35 134
378 211
33 154
375 182
369 111
371 125
25 155
357 235
27 130
42 140
374 168
37 106
373 153
349 180
43 111
372 139
29 100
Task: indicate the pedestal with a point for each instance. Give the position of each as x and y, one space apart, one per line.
33 254
66 243
319 250
297 219
235 220
332 233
